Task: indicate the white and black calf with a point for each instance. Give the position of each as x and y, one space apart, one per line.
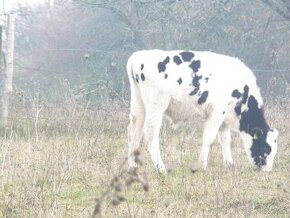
222 88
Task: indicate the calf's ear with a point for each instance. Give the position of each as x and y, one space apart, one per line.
256 133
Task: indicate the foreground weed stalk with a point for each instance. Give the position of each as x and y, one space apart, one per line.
120 182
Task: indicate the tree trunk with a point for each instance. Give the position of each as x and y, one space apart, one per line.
8 71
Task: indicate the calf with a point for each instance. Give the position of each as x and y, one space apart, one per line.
222 88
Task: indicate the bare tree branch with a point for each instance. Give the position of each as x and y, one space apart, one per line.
122 17
284 12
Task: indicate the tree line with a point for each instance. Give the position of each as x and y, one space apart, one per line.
80 47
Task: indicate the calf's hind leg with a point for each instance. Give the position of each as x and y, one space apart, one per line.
135 127
154 114
135 134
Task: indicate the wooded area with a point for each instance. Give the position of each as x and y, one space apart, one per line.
79 48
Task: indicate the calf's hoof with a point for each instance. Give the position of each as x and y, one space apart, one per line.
197 166
162 170
229 165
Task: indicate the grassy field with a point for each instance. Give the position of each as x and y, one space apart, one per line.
57 164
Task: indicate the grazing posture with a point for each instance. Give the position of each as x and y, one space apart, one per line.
221 88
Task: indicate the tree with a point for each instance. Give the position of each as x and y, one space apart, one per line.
8 75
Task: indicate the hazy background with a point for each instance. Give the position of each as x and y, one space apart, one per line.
79 48
66 135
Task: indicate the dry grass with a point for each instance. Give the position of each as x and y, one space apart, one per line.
60 169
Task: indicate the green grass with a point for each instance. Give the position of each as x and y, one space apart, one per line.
61 172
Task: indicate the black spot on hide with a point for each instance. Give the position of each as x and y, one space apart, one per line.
186 56
238 109
195 65
179 81
195 81
162 65
142 66
142 77
194 91
203 97
196 84
245 94
137 78
236 94
177 60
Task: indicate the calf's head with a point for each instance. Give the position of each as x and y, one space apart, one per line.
263 148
